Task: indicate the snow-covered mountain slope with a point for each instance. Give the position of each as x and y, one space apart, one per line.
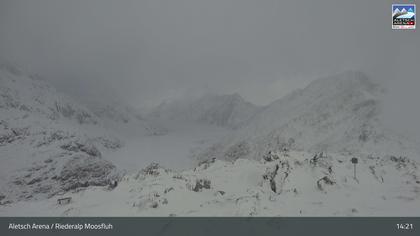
291 158
23 94
124 119
230 111
49 143
283 184
340 113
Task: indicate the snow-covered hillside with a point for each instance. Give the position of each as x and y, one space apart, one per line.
282 184
230 111
49 143
341 113
291 158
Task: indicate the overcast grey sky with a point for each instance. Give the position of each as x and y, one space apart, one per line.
145 51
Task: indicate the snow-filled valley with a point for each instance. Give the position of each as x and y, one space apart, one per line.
213 156
174 150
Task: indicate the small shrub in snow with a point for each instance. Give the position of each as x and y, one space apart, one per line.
152 169
205 163
201 184
167 190
324 181
270 156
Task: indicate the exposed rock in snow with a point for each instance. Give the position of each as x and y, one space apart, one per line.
291 158
43 135
292 185
87 148
58 175
84 171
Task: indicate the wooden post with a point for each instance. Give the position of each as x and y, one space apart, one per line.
354 160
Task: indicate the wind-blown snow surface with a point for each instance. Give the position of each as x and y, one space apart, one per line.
291 158
287 184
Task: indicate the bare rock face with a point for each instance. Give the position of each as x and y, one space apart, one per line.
60 174
84 171
86 147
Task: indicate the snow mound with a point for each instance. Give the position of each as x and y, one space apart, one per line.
288 184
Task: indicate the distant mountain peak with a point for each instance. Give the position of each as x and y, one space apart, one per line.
229 110
338 113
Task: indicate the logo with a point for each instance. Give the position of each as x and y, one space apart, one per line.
403 16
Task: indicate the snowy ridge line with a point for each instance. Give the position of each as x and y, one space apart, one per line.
342 113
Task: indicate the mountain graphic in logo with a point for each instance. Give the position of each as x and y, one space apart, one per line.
402 13
403 16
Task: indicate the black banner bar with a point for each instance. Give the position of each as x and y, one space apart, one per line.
230 226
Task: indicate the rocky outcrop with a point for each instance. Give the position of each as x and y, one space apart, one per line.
84 171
